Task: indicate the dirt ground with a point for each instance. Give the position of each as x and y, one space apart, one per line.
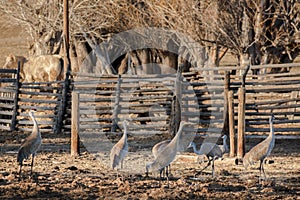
57 175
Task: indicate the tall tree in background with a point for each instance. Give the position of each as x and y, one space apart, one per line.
265 31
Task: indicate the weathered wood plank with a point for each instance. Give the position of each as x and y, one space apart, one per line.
5 105
231 124
6 121
75 124
241 123
6 113
46 108
7 80
40 122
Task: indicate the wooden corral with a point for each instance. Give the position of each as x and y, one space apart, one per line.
266 93
224 104
146 101
250 103
9 90
18 98
207 96
46 98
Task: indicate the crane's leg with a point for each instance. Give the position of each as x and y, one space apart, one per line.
213 167
208 164
167 174
160 176
262 168
21 163
260 164
20 169
168 181
160 173
32 160
167 171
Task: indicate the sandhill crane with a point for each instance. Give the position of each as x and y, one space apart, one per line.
167 155
31 143
212 151
120 149
261 150
158 148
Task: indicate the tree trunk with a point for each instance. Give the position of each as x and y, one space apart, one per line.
170 61
73 59
84 60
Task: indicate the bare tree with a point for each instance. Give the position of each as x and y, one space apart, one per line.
267 31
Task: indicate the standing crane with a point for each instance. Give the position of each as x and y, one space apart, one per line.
167 155
212 151
120 149
158 148
261 150
31 144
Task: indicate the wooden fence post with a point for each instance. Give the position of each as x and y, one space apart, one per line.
241 123
75 124
17 91
241 111
231 123
66 35
116 106
63 104
225 113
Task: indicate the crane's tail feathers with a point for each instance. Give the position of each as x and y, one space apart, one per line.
21 156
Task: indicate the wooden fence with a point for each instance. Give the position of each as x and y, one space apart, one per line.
276 93
101 96
9 91
17 98
153 102
225 103
250 100
147 101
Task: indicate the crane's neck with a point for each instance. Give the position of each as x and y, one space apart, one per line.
177 136
224 141
35 129
225 146
271 134
271 137
125 133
